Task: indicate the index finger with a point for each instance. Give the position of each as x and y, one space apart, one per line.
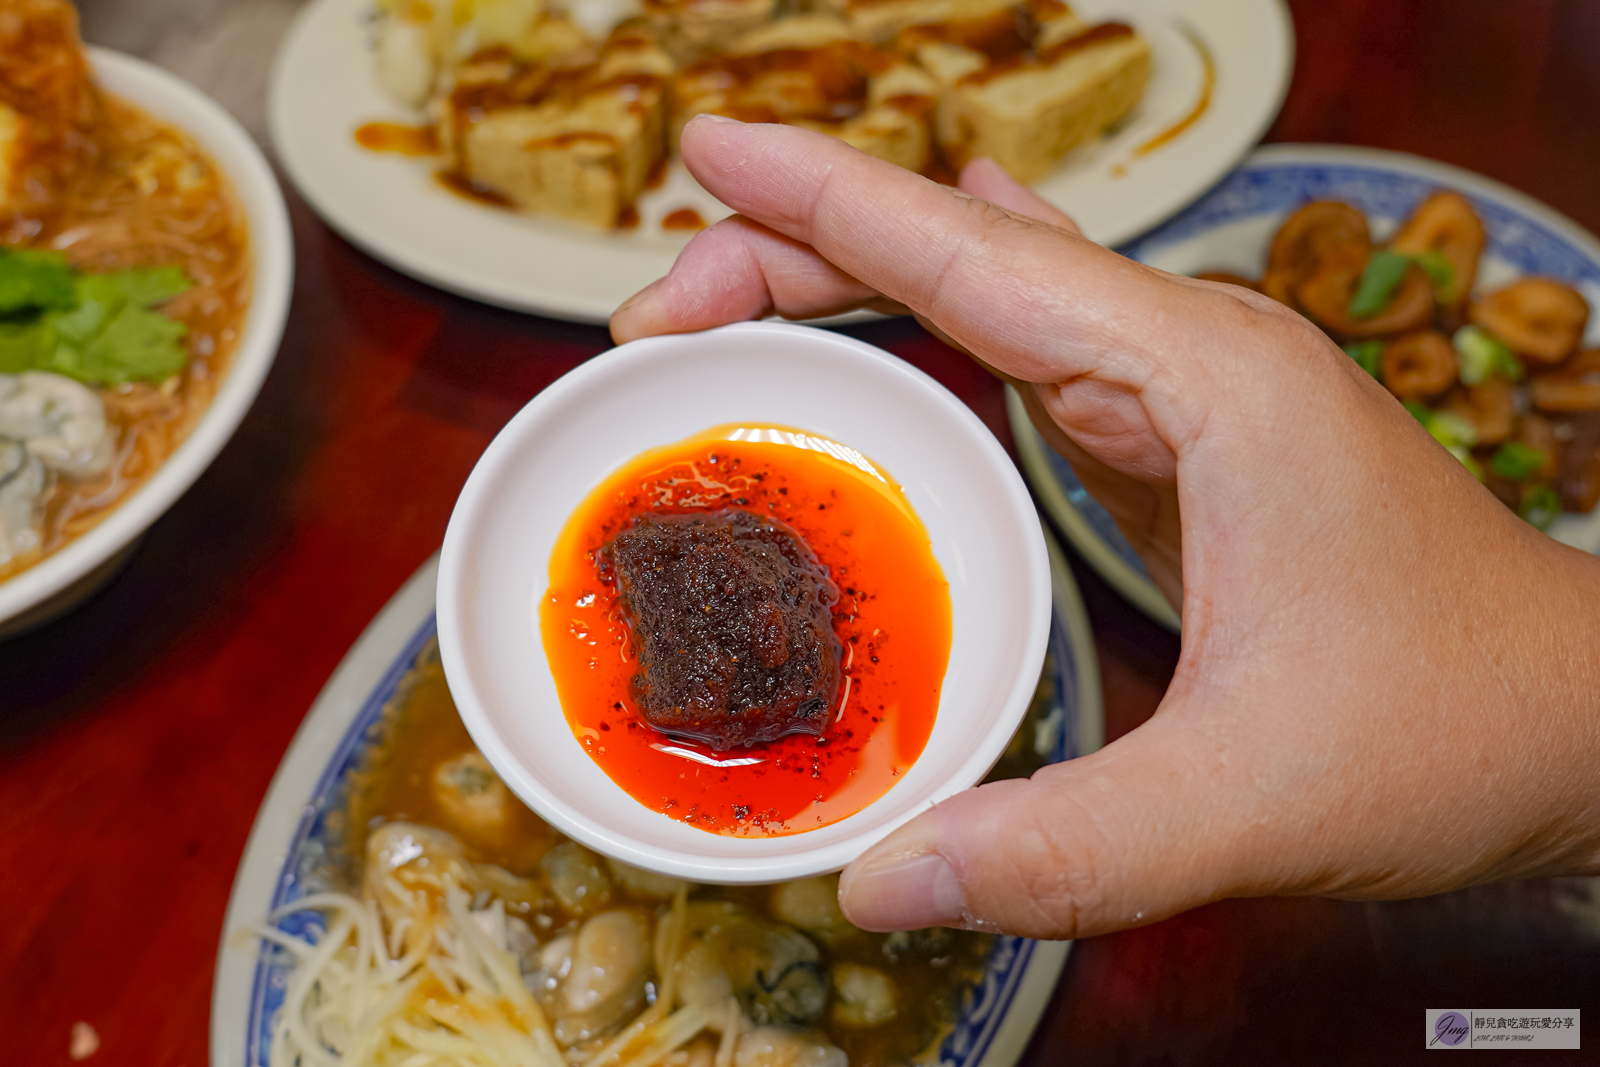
1032 299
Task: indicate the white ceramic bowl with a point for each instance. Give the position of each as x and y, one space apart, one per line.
494 568
59 580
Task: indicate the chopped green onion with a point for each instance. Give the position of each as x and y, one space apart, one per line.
1378 281
1368 356
1480 354
1456 434
1452 431
1441 274
1517 461
1540 506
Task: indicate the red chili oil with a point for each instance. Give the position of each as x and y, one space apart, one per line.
892 619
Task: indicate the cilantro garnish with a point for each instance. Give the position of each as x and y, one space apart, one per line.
97 328
33 280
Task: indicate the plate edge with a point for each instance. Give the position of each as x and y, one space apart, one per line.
341 699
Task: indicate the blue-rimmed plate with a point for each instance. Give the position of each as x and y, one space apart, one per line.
1230 228
287 844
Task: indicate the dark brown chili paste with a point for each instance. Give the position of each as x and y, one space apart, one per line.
732 624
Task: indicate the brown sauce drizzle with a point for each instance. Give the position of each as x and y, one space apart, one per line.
685 218
658 173
1094 35
472 101
464 186
1106 31
569 139
910 103
1002 37
393 137
1208 83
832 86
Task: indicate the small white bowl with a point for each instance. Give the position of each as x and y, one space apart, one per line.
494 569
63 578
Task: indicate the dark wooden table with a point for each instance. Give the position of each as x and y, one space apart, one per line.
138 735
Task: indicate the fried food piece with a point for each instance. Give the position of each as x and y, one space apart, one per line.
1418 365
1305 238
1490 408
46 103
732 625
881 20
1027 86
1326 294
579 141
1540 318
809 71
1578 469
1572 387
1445 223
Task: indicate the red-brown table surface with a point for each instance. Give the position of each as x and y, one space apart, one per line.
138 734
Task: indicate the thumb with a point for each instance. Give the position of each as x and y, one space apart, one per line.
1127 835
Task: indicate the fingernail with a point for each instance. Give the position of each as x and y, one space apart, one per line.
712 116
637 297
905 895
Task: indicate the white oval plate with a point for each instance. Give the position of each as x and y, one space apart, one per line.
1229 230
285 845
34 594
323 89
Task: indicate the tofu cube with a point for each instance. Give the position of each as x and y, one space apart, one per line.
1028 116
586 140
809 71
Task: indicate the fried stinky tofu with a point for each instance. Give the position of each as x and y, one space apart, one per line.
880 20
810 71
46 103
579 140
1027 85
731 620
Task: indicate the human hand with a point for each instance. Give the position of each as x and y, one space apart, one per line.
1387 683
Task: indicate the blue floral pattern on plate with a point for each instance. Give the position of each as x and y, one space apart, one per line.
965 1046
1266 187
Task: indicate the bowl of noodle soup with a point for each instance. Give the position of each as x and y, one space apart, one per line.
170 181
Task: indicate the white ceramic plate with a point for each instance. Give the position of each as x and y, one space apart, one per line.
60 579
980 522
1229 230
323 89
281 860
